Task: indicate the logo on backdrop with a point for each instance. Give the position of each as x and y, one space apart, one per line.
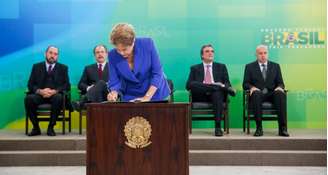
308 38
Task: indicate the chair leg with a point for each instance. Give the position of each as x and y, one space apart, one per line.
225 122
190 122
70 121
227 116
26 125
244 121
64 123
80 122
248 123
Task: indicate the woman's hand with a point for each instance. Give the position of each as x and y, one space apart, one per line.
149 94
141 99
112 96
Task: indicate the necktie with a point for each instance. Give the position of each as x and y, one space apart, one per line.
264 71
100 71
208 78
49 69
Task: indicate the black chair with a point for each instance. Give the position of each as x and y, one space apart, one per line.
82 112
203 111
44 110
269 113
171 86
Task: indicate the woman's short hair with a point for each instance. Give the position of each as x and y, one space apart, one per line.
122 33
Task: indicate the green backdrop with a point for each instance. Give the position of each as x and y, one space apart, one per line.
295 31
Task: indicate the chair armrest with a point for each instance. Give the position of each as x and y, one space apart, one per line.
81 94
247 92
65 92
190 95
227 101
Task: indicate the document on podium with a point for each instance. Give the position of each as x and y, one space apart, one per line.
155 101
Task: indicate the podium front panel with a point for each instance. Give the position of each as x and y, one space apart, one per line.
137 139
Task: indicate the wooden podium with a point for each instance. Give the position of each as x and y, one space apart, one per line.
137 139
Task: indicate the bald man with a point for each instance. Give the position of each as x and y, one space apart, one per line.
264 80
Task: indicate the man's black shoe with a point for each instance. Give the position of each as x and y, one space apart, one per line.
258 132
283 133
51 132
35 132
218 132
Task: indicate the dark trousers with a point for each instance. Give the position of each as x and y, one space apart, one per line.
278 99
209 93
32 101
97 93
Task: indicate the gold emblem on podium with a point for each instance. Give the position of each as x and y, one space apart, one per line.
137 132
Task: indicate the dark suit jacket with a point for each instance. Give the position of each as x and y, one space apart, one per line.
38 77
90 76
219 71
253 76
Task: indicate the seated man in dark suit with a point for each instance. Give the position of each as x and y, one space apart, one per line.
264 80
47 82
94 78
209 82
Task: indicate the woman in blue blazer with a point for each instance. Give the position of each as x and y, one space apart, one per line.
135 71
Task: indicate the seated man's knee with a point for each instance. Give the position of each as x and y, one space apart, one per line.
30 98
102 82
218 93
57 98
99 86
279 94
256 93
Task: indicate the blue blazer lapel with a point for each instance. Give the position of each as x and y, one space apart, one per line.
137 61
126 72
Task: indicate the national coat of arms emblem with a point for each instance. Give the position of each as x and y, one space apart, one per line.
137 132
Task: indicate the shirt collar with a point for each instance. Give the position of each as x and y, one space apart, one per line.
47 65
266 63
205 64
102 64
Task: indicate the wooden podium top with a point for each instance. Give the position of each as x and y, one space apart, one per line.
128 104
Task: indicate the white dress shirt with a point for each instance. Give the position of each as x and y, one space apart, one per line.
102 65
266 65
52 66
211 70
